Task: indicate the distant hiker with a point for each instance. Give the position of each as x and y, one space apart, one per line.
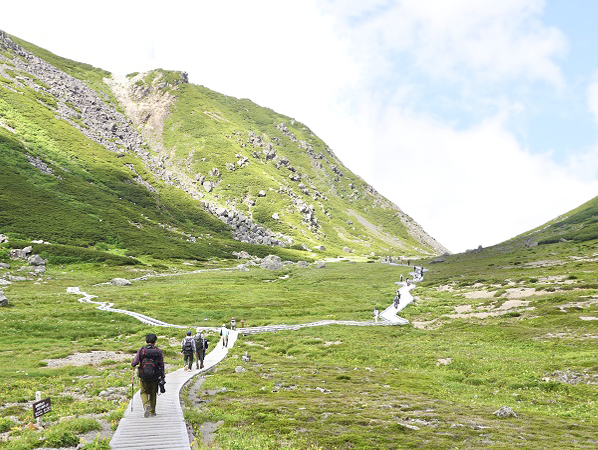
408 262
401 278
224 334
397 299
242 323
201 345
233 324
376 315
151 370
188 350
408 281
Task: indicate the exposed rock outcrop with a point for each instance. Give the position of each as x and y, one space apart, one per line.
3 299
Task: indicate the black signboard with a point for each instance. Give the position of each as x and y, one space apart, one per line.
41 407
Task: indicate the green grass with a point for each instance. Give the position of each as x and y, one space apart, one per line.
325 387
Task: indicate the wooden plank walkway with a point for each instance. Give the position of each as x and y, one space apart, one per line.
167 430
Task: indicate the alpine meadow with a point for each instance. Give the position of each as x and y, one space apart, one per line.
163 199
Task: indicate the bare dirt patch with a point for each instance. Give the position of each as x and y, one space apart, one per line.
482 312
93 358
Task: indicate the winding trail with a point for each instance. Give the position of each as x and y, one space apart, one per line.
168 430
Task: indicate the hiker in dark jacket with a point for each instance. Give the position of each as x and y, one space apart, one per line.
200 348
150 360
188 350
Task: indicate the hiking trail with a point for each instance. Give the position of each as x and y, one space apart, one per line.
168 429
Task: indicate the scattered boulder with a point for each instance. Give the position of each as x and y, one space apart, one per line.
439 259
208 186
529 242
320 247
275 216
120 282
239 369
504 412
271 262
261 193
3 299
4 266
477 250
23 253
36 260
302 264
320 264
242 255
242 268
347 250
3 238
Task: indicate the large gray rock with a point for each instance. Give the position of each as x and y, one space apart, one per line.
320 264
271 262
36 260
23 253
4 266
3 299
120 282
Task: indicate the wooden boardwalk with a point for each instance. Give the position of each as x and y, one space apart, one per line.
167 430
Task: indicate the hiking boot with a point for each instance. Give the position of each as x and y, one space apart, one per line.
196 366
201 367
146 412
153 414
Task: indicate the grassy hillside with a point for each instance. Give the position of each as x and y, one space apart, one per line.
62 187
578 225
209 130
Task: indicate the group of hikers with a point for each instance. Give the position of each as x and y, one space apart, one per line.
150 360
418 275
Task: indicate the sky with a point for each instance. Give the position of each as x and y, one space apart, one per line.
478 118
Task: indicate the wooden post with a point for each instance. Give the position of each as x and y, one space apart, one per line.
38 397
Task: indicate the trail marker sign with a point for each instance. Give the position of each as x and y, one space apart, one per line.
41 407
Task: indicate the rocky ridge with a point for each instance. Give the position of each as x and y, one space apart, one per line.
99 120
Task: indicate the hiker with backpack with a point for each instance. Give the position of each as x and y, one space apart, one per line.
188 350
150 360
201 345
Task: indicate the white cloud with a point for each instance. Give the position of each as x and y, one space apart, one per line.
472 187
493 39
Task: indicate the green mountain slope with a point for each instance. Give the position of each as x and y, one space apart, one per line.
152 165
62 187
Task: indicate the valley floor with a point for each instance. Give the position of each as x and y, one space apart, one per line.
435 385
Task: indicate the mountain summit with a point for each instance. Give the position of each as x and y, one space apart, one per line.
149 158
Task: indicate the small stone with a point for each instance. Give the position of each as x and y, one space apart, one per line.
504 411
120 282
239 369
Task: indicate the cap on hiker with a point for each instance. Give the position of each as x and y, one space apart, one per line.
188 333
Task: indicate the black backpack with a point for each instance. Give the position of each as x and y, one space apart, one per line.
200 342
148 367
188 346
